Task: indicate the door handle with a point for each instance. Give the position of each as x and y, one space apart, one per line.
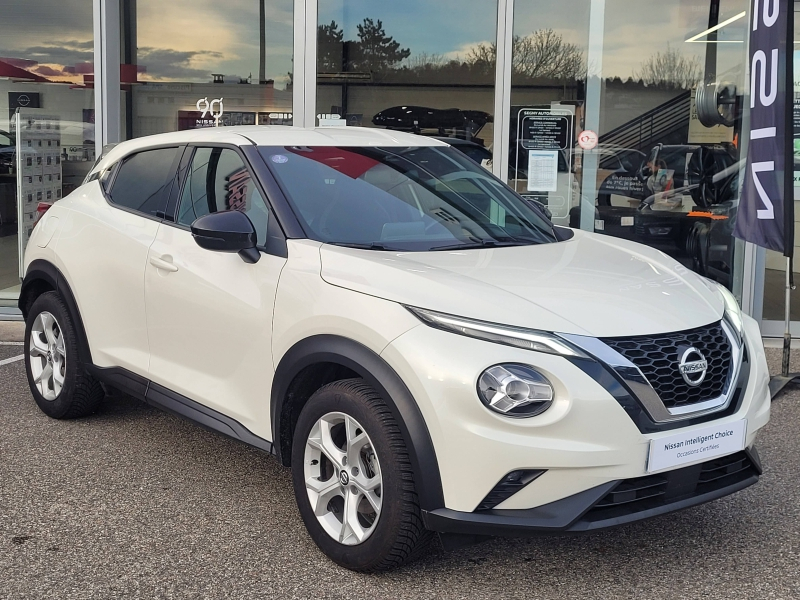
164 263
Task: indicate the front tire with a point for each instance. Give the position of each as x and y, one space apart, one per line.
58 381
353 480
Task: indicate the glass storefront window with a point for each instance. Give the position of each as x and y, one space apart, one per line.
179 57
626 120
417 66
46 72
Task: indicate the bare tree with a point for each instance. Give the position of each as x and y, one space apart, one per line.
423 60
670 69
544 54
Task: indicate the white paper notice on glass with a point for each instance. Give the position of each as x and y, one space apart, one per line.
543 170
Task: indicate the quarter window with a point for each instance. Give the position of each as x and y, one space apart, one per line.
218 180
144 180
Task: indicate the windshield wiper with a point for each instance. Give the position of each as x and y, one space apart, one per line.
370 246
485 244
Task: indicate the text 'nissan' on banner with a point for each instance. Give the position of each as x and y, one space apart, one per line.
766 210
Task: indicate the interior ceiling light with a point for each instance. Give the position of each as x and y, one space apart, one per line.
696 38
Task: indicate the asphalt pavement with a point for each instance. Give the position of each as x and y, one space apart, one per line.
136 503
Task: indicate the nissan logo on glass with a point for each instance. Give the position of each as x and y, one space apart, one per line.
693 366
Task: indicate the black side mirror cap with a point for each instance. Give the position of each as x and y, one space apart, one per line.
227 231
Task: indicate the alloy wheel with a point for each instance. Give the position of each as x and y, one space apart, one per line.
48 355
343 478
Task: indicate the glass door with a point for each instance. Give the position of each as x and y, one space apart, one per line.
626 120
46 67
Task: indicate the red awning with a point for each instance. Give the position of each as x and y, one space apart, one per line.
352 164
12 72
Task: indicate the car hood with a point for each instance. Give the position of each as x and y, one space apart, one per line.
589 285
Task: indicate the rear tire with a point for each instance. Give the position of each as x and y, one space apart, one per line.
58 380
376 493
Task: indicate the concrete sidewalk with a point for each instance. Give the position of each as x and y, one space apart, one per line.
12 331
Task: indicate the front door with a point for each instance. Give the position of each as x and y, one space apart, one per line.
209 314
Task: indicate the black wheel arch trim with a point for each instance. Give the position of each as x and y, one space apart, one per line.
375 371
42 270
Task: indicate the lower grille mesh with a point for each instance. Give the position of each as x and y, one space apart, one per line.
651 491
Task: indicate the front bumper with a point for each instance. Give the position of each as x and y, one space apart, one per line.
587 445
611 504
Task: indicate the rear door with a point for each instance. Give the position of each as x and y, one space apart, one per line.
103 250
209 314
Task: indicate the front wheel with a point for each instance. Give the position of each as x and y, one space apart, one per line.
353 480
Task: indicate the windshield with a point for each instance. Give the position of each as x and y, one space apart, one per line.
404 198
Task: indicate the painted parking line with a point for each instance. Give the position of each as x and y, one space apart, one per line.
13 359
12 343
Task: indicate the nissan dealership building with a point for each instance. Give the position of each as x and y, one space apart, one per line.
624 118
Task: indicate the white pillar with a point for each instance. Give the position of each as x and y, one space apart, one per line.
106 73
502 88
594 90
304 79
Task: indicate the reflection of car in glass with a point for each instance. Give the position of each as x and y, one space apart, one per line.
416 119
424 350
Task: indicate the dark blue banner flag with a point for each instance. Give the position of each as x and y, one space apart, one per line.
766 209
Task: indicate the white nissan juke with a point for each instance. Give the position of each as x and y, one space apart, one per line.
423 348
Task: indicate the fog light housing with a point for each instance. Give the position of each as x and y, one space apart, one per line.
515 390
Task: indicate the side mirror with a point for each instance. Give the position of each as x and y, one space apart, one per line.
227 231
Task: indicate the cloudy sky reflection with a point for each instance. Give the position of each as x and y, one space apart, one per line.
187 40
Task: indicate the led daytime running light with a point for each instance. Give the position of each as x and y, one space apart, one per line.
527 339
733 313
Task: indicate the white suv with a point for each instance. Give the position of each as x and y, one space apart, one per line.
420 345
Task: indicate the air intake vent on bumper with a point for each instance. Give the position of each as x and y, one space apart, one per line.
508 486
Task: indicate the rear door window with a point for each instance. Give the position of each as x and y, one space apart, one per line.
144 180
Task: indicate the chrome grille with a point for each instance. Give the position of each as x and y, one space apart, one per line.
657 357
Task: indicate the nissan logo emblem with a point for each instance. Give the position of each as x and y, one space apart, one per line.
344 478
693 366
23 100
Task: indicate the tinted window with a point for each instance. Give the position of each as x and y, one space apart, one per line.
144 180
218 180
404 198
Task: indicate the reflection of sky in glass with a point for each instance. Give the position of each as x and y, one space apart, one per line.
187 40
635 31
445 27
50 38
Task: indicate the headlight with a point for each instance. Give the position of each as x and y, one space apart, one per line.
528 339
733 313
515 390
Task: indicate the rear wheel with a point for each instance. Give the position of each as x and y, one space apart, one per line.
58 381
353 480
